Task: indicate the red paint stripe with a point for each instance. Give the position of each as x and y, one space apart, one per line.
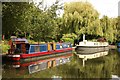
15 58
44 53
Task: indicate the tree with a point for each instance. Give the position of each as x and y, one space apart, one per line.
80 18
16 16
45 23
109 28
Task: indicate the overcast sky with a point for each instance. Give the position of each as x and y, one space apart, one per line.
104 7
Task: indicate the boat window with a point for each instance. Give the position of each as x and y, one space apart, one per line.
18 46
43 47
37 48
69 45
57 46
61 47
64 45
32 49
95 43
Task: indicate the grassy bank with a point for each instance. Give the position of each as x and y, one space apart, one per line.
4 46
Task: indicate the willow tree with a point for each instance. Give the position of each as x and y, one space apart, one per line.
81 18
114 25
118 28
109 28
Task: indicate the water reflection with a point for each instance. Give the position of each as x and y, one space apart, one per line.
85 57
101 67
23 68
48 63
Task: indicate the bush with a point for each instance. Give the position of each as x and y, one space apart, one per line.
4 47
69 37
31 42
68 40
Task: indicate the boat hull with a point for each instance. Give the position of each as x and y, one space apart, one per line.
34 56
90 49
13 57
87 47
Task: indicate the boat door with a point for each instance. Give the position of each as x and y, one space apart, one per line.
51 46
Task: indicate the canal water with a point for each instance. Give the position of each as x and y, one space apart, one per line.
65 66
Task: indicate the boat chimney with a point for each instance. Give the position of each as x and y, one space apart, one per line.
83 37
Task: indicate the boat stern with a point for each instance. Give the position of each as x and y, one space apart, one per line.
14 57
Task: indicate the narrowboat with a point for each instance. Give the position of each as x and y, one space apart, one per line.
21 50
90 47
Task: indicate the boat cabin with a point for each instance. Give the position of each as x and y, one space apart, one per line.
20 47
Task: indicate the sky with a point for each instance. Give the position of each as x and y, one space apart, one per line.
104 7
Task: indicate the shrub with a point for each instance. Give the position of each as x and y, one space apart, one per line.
31 41
68 40
4 47
69 37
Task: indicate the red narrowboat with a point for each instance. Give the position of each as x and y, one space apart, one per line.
20 50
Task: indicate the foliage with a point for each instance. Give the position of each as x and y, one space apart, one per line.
69 37
118 28
31 41
109 28
4 46
80 18
16 17
45 24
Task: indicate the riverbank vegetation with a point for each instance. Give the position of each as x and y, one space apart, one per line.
46 24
